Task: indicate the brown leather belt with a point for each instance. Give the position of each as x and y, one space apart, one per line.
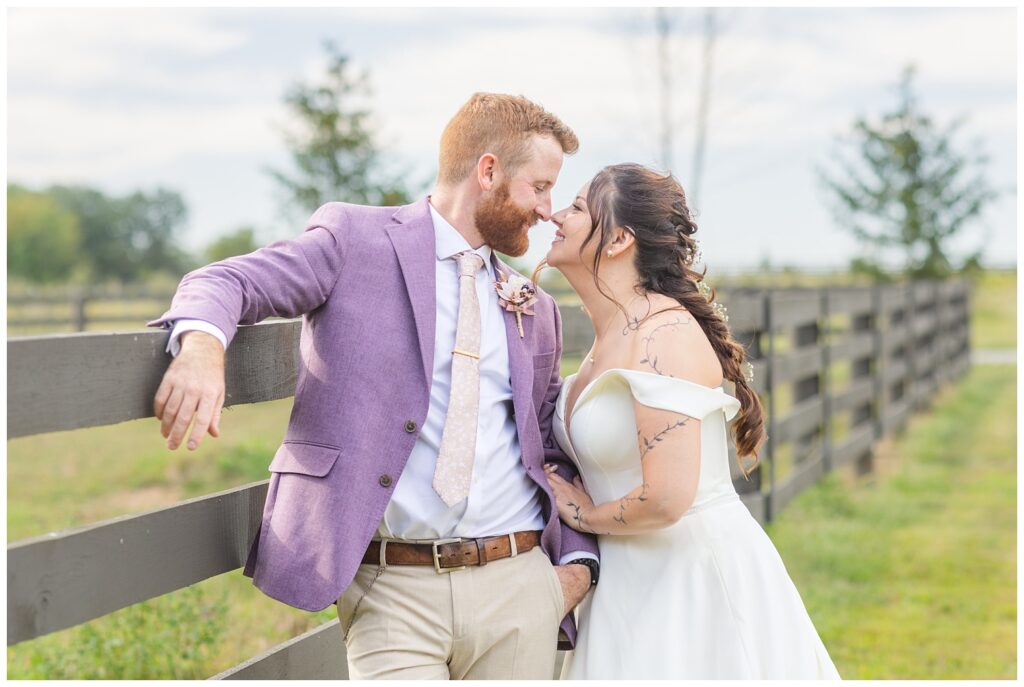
448 555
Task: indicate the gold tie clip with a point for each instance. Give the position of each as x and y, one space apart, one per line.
466 353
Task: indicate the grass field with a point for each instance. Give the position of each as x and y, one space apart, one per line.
994 310
904 575
912 573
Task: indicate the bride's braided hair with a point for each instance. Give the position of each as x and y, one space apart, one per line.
653 207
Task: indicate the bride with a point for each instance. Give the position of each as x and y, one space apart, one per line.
691 586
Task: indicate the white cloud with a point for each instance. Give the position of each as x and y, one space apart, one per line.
94 94
79 48
53 139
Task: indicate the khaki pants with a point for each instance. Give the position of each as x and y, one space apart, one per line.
497 621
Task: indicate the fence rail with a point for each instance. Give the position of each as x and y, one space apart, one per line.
837 368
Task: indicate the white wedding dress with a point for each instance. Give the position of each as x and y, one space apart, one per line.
705 598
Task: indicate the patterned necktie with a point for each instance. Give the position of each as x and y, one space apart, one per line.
458 441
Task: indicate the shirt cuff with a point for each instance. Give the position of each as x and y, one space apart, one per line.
577 554
182 326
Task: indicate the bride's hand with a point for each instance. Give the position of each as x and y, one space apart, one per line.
571 499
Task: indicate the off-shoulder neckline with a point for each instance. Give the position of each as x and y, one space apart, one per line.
567 419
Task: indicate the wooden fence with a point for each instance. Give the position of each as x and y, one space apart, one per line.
837 368
76 308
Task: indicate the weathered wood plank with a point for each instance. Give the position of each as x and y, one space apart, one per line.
856 444
746 310
854 346
65 578
895 370
797 364
924 293
924 323
801 419
895 336
804 475
318 654
755 503
896 415
856 394
893 298
852 302
68 381
794 308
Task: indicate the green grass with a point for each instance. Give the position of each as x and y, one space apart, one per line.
912 574
994 310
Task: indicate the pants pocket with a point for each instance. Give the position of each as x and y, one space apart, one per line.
556 590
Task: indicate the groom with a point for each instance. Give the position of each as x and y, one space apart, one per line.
410 487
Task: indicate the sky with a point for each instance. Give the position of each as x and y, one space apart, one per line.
191 99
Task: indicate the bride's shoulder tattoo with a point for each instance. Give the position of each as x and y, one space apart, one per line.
650 358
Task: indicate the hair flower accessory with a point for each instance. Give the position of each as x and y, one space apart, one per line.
748 372
516 294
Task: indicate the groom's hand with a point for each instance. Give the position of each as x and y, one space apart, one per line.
192 386
575 580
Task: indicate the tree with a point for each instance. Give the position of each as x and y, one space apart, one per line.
909 193
239 242
43 239
334 153
129 237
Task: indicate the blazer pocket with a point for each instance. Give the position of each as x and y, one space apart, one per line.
542 364
303 458
542 360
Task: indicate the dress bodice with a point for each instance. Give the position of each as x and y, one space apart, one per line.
603 426
707 597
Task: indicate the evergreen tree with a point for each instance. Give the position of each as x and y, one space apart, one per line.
907 193
334 152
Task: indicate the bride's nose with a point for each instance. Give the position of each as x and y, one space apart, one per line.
558 218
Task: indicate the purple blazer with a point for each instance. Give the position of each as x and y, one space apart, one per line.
363 280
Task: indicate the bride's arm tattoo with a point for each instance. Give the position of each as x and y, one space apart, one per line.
649 444
652 360
577 518
624 501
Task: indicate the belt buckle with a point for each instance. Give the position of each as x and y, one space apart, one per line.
437 560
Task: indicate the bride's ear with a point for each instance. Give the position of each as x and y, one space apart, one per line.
624 240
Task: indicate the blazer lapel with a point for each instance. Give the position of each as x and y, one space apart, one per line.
520 358
413 240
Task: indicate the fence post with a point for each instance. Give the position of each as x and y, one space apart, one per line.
878 385
78 301
824 383
766 296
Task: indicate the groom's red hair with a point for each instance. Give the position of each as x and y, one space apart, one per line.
501 125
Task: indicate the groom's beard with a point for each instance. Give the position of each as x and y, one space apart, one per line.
502 224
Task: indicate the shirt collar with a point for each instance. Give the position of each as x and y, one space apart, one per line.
448 241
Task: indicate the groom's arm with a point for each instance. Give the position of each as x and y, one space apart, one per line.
284 279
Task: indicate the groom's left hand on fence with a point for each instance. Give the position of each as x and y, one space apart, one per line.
192 386
575 581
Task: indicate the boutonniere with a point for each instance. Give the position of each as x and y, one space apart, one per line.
516 294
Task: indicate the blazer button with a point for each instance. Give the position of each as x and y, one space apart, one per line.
385 480
410 426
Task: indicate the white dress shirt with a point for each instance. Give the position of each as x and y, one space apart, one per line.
502 497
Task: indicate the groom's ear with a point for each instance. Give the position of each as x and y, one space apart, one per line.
487 171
